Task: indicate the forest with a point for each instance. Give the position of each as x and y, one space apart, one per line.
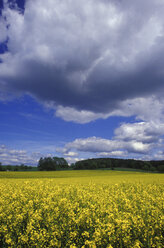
113 163
57 163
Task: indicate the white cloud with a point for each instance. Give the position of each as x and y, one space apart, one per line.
159 155
99 145
10 156
147 132
144 108
90 59
82 116
71 160
13 156
131 139
112 154
3 33
71 154
149 109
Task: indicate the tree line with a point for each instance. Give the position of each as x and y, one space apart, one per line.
44 164
21 167
57 163
112 163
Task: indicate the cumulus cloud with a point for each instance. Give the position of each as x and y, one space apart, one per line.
147 132
141 140
10 156
81 116
71 154
13 156
98 145
3 34
149 109
86 57
113 154
89 60
71 160
159 155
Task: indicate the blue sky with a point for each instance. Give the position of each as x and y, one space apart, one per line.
81 80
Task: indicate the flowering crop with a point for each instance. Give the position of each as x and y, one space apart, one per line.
108 210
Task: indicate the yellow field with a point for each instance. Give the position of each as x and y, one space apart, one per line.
81 209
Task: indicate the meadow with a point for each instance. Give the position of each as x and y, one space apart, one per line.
81 209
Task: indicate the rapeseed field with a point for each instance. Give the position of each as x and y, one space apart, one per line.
81 209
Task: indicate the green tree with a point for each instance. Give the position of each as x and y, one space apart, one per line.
9 167
109 164
61 163
1 166
93 165
16 168
46 164
72 166
152 168
146 166
52 164
23 167
160 168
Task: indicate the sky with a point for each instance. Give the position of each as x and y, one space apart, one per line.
81 79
